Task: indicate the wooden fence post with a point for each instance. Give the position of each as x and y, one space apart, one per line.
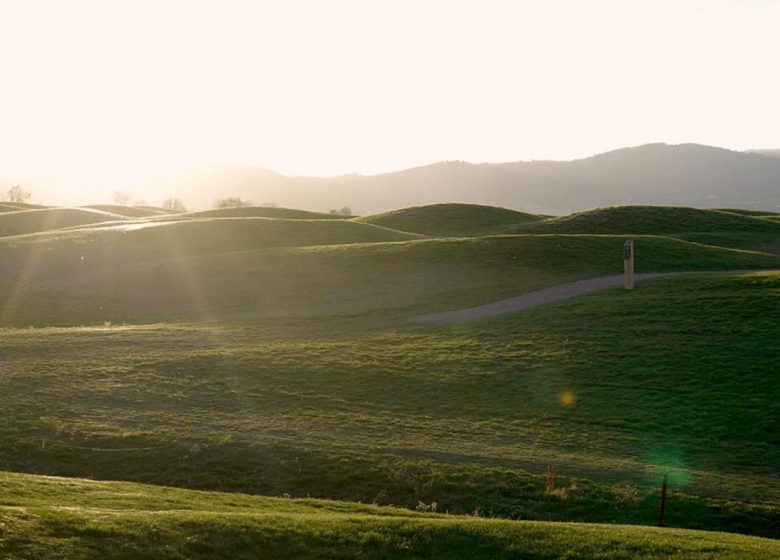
662 512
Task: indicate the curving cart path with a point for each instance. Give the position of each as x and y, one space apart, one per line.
533 299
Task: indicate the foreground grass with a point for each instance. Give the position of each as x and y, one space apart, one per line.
43 518
468 417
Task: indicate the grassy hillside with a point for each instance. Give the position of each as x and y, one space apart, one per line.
128 211
724 228
452 220
144 239
654 220
235 268
47 219
279 356
263 212
70 519
468 417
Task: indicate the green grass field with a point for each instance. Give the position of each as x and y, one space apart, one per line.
278 357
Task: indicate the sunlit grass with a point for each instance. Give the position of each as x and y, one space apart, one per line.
468 416
45 518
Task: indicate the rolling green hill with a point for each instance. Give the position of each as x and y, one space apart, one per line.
47 219
250 269
724 228
654 220
144 239
452 220
70 519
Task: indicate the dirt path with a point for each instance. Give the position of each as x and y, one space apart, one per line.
533 299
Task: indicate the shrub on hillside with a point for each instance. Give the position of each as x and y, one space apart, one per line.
231 202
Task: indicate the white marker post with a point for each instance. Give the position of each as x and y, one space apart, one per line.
628 264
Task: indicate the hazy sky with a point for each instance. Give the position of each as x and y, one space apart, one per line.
108 92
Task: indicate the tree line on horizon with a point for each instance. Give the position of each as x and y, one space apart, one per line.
18 194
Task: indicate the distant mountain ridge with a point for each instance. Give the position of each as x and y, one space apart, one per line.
661 174
773 153
680 175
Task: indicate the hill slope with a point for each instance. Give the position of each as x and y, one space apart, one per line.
250 268
262 212
87 520
721 228
46 219
17 206
452 220
654 220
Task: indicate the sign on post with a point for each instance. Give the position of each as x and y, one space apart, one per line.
628 264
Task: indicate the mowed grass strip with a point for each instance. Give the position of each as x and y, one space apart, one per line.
612 390
70 519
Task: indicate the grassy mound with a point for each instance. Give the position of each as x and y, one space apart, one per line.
47 219
452 220
467 417
128 211
263 212
654 220
249 269
69 519
184 238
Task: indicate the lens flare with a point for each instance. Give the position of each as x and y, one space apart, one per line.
568 399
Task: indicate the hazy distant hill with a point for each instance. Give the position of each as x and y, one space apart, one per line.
773 153
683 175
